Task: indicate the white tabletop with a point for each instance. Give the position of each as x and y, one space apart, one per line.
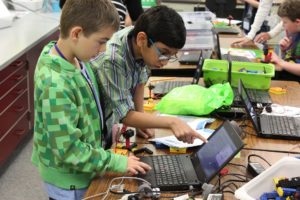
25 33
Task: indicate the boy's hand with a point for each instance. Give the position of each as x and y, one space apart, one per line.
285 43
262 37
134 166
277 62
145 133
185 133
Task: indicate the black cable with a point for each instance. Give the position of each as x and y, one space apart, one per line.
122 193
248 133
240 176
226 186
273 151
240 165
258 156
228 191
244 124
176 191
233 180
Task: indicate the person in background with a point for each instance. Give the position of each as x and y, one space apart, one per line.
261 14
122 11
68 118
289 66
249 14
122 71
134 8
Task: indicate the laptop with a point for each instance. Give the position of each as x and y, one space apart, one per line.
198 40
164 87
192 57
270 126
181 172
225 56
256 96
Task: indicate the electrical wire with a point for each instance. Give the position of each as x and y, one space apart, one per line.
244 125
258 156
218 188
228 191
240 176
110 184
228 186
239 165
273 150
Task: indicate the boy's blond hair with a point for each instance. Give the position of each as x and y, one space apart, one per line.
290 9
91 15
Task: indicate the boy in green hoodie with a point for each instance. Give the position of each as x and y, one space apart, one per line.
68 124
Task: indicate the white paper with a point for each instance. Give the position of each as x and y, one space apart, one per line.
193 122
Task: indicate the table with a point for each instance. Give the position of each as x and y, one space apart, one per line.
254 145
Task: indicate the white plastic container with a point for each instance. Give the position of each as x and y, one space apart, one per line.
286 167
33 5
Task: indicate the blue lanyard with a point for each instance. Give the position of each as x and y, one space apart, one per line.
93 89
89 81
59 52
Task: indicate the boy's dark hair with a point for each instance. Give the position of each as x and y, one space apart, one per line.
91 15
290 9
162 24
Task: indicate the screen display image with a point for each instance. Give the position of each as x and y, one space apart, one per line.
216 153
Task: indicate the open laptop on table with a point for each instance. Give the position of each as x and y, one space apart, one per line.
270 126
164 87
180 172
191 57
256 96
225 56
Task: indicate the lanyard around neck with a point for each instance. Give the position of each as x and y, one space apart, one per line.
59 52
93 89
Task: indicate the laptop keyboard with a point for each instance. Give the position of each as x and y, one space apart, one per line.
166 86
236 58
256 96
282 125
168 170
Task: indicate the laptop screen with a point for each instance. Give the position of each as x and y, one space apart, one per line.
248 104
217 47
213 156
198 70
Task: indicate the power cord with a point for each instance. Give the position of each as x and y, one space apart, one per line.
274 151
244 125
258 156
110 185
238 165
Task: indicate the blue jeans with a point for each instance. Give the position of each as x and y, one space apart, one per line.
64 194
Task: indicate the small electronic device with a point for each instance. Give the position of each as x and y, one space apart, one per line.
215 197
255 168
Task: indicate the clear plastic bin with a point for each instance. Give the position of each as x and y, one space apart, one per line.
286 167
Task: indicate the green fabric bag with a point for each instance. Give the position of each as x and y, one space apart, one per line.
195 99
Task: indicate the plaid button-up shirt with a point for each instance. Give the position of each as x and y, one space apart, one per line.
118 74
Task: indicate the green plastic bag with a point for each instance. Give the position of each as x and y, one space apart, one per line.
195 99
